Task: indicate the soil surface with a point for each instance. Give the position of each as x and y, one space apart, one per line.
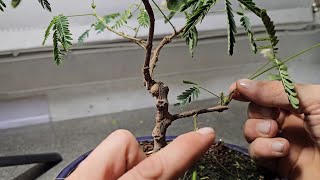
222 163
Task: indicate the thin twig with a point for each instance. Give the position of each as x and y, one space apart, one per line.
218 108
156 52
164 16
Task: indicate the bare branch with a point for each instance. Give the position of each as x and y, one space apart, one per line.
156 52
218 108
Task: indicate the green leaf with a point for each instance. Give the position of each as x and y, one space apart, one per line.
287 83
198 15
62 27
175 5
15 3
274 77
53 21
192 40
245 22
249 4
143 18
2 5
232 28
83 36
58 55
190 4
270 28
123 19
100 26
45 4
189 82
188 95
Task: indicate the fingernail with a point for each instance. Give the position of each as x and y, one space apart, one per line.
264 127
246 83
277 146
205 130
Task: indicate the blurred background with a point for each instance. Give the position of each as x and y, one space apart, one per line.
70 108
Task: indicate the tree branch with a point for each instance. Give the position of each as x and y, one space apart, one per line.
156 52
146 69
138 41
218 108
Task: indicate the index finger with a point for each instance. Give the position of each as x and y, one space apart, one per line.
172 161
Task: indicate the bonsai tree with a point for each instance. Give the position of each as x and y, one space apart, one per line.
194 12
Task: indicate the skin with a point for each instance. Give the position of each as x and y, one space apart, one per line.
281 138
119 156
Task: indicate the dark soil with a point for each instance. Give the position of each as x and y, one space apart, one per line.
223 163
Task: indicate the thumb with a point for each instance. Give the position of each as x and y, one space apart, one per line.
172 161
272 94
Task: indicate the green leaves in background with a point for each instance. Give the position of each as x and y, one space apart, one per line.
2 5
83 36
100 26
188 95
199 13
15 3
288 84
270 28
192 40
232 28
245 22
61 35
45 4
251 6
175 5
143 18
123 19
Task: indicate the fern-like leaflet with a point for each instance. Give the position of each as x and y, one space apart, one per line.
61 34
251 6
100 26
192 40
45 4
123 19
288 84
143 18
198 15
270 28
188 95
83 36
245 22
15 3
232 28
192 4
2 5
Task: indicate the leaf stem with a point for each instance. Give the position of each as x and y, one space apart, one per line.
259 69
209 91
164 15
79 15
288 59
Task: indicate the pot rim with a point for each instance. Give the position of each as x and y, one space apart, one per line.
74 164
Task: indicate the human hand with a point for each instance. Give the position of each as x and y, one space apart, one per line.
119 156
280 138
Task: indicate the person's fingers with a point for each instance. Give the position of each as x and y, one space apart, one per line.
256 111
235 94
264 93
268 148
272 94
255 128
118 153
312 126
173 160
